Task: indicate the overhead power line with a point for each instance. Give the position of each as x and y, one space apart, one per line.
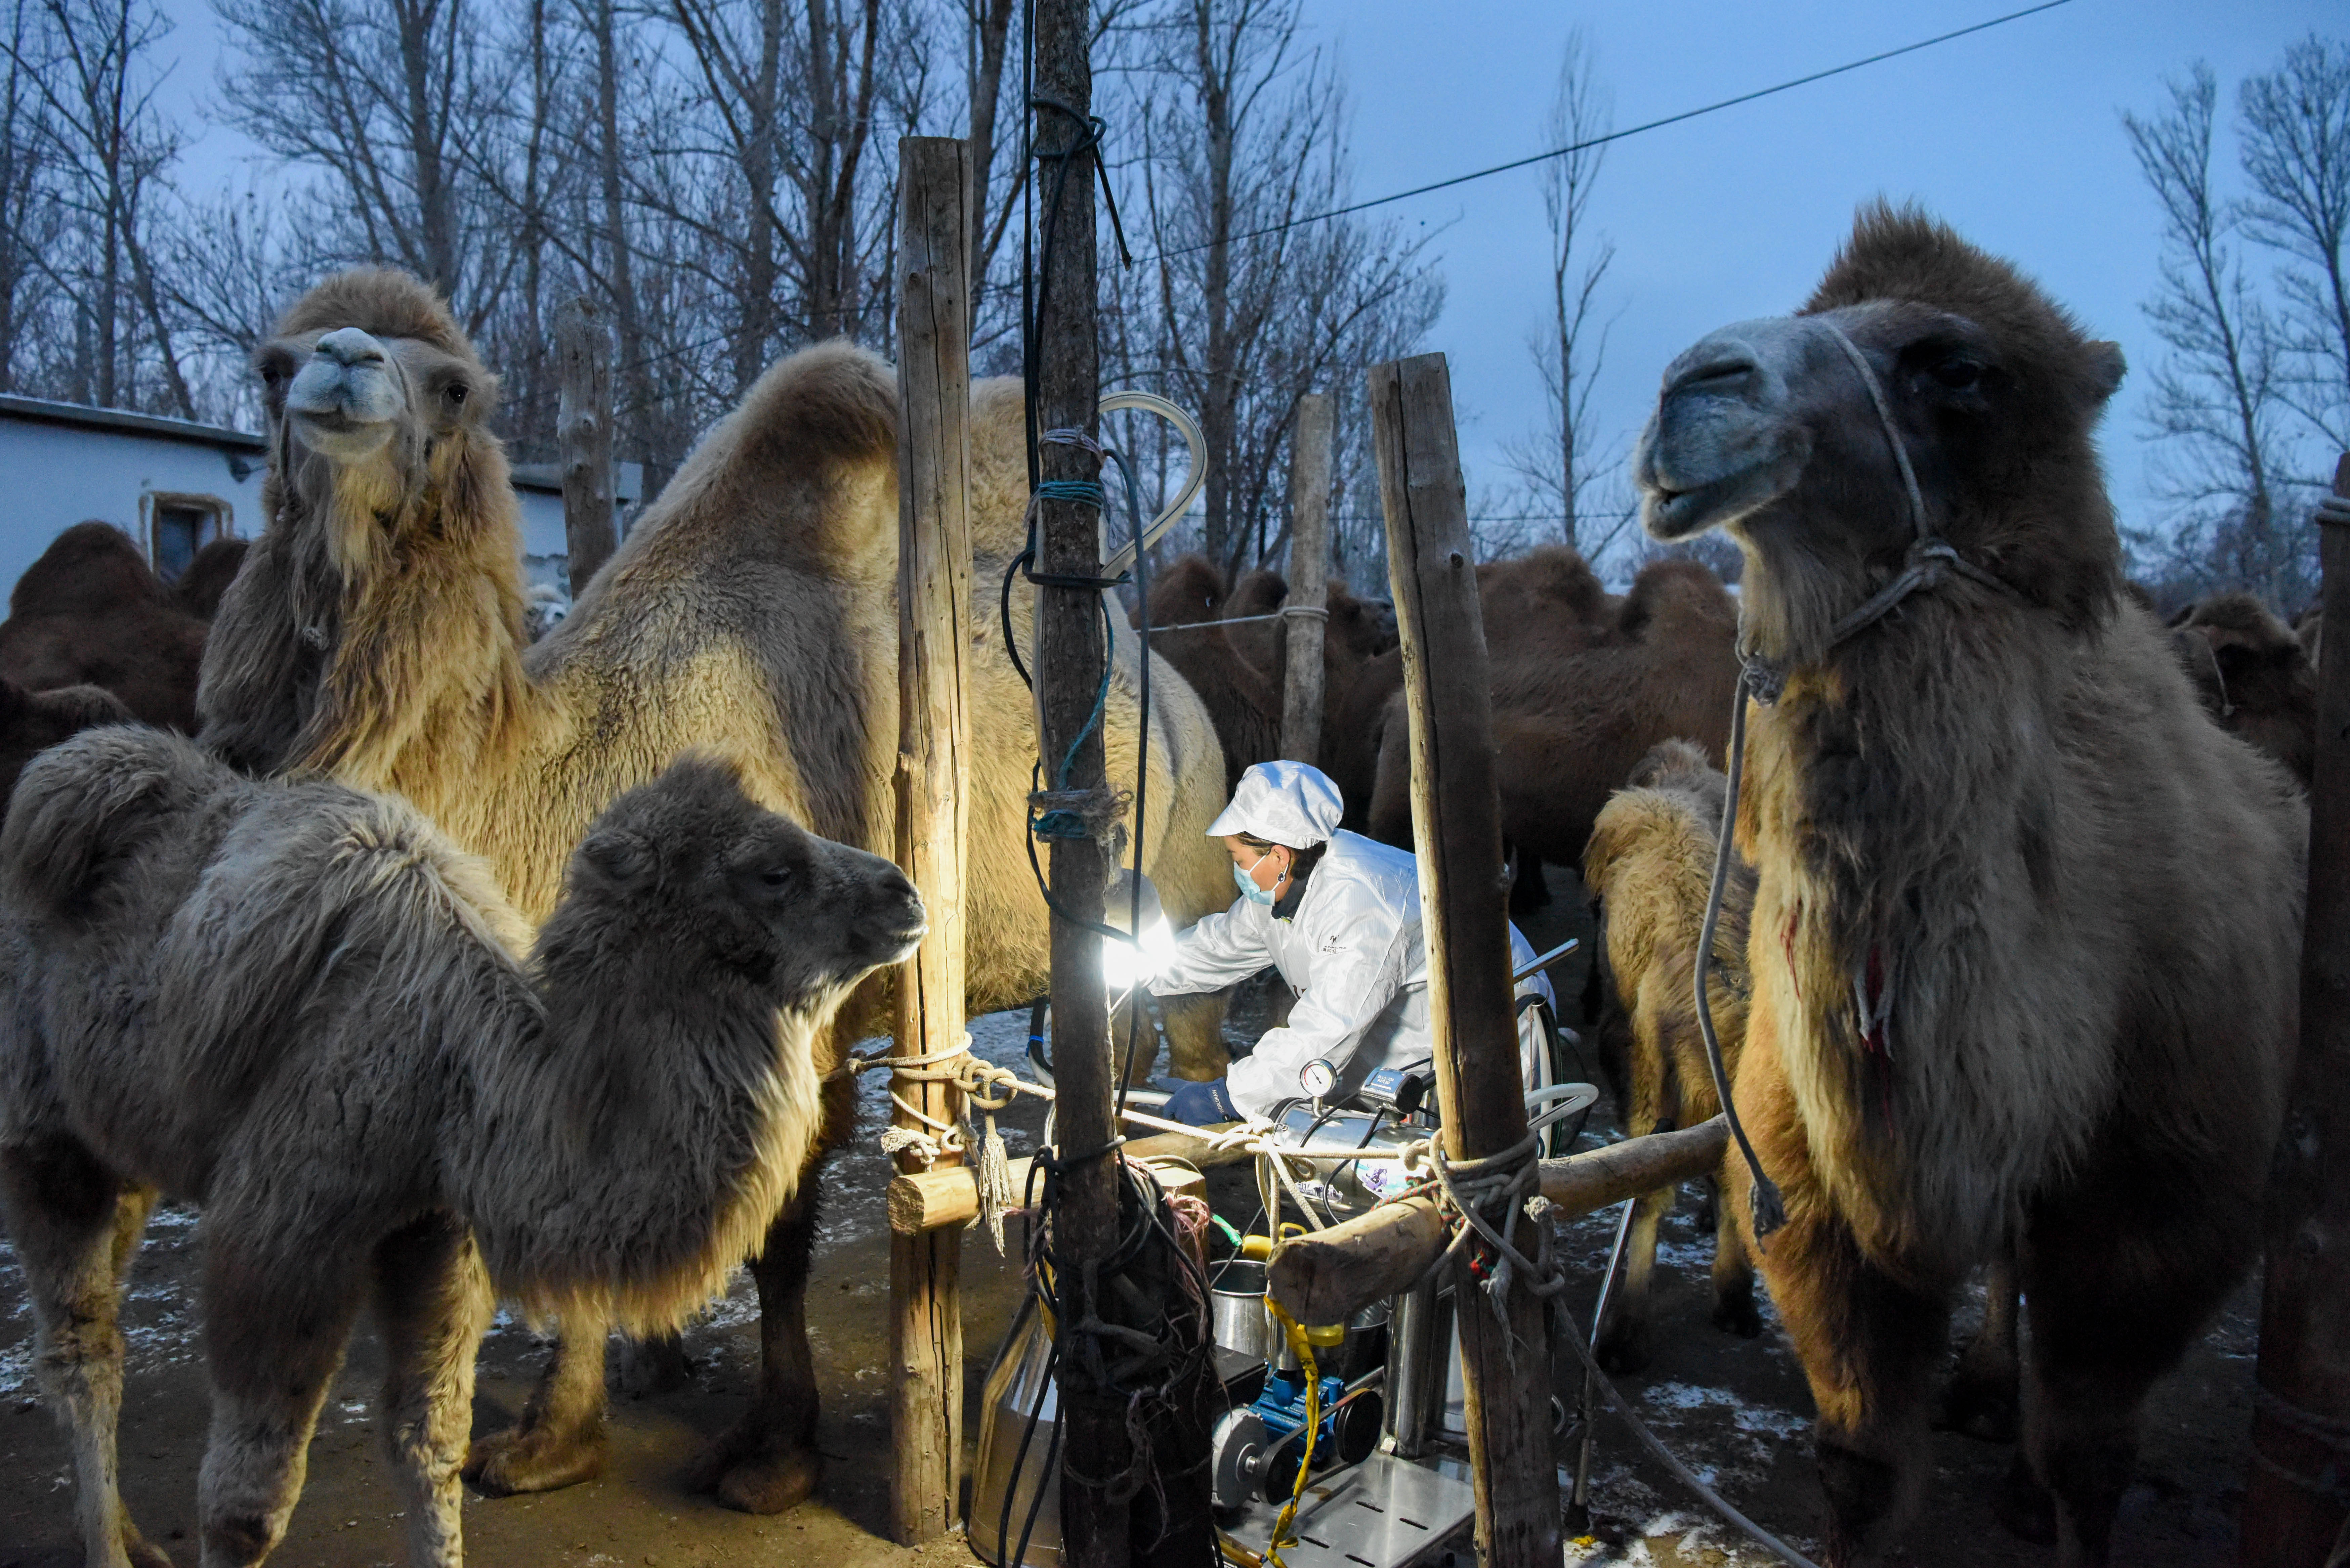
1532 159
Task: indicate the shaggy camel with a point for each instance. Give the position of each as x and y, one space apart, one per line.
1569 728
302 1007
90 613
1649 867
2026 927
2255 677
375 635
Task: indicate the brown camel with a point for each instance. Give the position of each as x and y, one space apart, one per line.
375 634
2026 923
1649 867
2253 675
198 592
320 1029
1569 728
33 721
90 613
1242 702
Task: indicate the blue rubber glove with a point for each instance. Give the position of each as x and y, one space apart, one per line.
1201 1104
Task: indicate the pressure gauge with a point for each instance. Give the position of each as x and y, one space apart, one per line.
1317 1078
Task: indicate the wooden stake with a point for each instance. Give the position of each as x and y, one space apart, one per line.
933 793
2293 1514
1456 822
583 421
1071 646
1309 577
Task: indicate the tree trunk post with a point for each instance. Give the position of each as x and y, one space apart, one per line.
933 795
583 422
2293 1514
1071 648
1309 579
1463 888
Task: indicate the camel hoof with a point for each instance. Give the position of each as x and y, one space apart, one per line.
1738 1315
650 1367
1981 1408
2026 1509
532 1459
756 1470
1620 1351
142 1553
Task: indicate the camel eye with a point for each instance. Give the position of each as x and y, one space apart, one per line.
1957 375
457 394
774 877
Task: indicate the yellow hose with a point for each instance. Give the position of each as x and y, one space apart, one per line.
1303 1350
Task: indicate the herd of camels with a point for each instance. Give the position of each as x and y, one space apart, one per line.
564 938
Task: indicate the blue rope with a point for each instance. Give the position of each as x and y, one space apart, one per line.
1084 491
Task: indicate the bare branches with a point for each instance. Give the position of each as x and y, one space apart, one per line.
2295 139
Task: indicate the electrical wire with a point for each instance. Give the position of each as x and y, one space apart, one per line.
1589 142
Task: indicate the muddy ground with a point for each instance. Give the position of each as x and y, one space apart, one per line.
1736 1410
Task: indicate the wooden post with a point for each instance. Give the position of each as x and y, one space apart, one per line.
1457 825
1071 646
583 419
2295 1488
933 793
1309 577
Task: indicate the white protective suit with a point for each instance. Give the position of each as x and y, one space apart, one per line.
1349 942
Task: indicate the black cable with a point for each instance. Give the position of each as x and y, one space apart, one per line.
1616 135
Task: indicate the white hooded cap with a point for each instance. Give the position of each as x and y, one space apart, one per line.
1283 802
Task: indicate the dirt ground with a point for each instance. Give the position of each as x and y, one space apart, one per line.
1736 1410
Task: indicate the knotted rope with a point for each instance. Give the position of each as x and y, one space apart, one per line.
933 1139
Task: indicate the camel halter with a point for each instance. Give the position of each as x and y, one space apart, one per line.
1930 561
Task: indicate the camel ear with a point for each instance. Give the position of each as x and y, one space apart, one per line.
2106 369
621 859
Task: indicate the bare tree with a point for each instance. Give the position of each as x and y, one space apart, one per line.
30 218
2216 409
2295 150
1563 470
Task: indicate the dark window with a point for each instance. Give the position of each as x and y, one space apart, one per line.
182 530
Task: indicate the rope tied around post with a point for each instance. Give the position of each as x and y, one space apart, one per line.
935 1139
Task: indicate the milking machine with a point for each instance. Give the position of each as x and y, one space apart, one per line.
1369 1410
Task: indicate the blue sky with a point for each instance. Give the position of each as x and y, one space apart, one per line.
2013 135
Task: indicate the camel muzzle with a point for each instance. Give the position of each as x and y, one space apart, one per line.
1723 441
346 400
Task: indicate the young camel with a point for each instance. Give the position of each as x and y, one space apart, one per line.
302 1007
2026 924
1649 867
375 634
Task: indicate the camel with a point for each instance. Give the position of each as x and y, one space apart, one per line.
1242 702
1570 727
198 592
1649 867
90 612
2255 677
302 1007
2024 950
375 635
32 721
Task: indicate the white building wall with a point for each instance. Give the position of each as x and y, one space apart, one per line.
52 476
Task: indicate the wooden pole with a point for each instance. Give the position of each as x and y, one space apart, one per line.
2294 1508
1456 822
1071 646
1309 577
933 795
583 419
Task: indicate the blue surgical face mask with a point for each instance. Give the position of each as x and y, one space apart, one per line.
1247 884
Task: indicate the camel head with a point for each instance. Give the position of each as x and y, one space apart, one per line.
378 414
1768 429
689 873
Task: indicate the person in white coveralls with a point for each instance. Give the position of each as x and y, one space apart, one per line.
1338 915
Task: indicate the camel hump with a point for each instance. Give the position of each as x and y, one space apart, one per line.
90 569
90 803
832 401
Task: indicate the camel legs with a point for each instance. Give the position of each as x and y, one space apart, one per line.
1623 1344
435 1303
279 1310
75 1227
1982 1398
1734 1310
767 1460
1869 1342
559 1442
